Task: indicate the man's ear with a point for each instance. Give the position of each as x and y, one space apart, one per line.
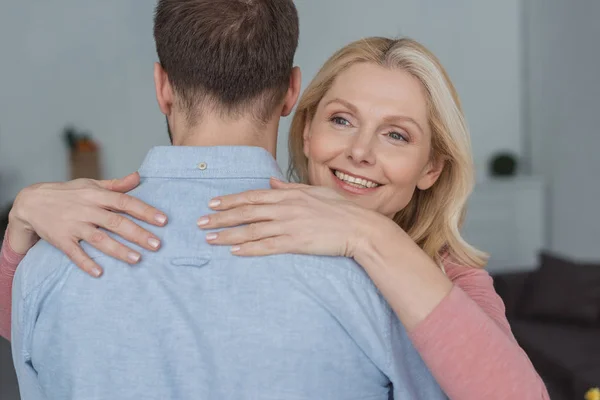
164 90
293 92
431 173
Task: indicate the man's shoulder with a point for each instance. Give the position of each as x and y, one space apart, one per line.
338 268
42 262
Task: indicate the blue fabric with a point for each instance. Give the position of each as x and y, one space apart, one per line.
193 321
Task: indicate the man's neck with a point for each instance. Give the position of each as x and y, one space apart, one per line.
216 132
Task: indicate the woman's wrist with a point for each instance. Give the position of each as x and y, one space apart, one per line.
21 234
407 277
375 239
21 239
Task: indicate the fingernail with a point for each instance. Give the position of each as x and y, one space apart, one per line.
203 221
214 203
235 249
134 257
154 243
211 236
97 272
161 219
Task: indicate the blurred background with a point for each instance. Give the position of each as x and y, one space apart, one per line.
77 99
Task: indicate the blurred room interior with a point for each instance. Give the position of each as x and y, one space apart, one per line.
77 100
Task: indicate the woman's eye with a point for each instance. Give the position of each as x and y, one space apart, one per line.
340 121
397 136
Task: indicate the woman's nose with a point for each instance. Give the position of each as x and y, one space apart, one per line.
360 150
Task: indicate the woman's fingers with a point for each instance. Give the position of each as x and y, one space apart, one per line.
135 207
123 227
109 246
251 197
242 215
265 247
122 185
80 258
117 199
245 234
277 184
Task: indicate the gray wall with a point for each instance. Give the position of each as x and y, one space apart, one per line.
86 62
564 103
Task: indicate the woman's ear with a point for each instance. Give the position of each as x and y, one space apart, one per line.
306 137
431 173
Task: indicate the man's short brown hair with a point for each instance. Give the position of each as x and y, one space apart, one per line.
233 55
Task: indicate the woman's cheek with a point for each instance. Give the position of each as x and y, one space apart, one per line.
325 145
402 169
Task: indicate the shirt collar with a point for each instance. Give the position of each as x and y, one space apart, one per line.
209 162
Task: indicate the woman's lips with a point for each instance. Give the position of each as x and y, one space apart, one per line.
349 187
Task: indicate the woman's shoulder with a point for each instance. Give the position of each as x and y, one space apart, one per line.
478 285
455 269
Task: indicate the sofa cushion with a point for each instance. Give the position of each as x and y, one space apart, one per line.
562 290
567 355
568 345
510 287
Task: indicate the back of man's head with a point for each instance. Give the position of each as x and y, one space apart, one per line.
230 56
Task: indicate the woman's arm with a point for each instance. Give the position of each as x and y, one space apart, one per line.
11 254
465 341
479 286
9 259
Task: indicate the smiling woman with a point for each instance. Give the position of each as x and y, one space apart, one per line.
406 112
369 131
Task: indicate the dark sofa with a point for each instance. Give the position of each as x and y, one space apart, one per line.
555 315
4 211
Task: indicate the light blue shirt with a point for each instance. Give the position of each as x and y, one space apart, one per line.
193 321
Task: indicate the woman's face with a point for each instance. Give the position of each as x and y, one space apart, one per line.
370 139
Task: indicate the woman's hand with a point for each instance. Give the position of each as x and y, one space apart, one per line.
290 218
65 213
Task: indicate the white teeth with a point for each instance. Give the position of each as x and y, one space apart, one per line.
357 182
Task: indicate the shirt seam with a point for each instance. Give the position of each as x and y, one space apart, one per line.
58 270
27 299
388 337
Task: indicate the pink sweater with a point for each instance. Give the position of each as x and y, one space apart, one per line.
466 341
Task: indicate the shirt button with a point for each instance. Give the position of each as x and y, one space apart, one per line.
202 166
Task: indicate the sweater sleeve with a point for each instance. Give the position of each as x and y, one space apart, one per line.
9 260
467 343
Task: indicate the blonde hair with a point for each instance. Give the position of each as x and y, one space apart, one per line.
433 217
